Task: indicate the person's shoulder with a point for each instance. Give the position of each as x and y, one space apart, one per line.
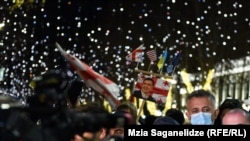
151 98
137 92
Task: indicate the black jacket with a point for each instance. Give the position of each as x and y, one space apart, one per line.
138 94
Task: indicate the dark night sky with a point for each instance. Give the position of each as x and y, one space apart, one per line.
103 32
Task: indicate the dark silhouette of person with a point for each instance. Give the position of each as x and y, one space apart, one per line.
176 114
166 120
146 90
227 105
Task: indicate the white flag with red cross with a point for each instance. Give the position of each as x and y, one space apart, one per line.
98 82
161 90
137 55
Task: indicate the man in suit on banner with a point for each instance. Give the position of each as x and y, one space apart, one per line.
146 90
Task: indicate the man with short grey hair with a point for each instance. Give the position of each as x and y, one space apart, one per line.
201 107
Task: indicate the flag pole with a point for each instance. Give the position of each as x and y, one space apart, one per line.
154 74
173 63
137 65
144 100
136 56
177 61
140 110
149 67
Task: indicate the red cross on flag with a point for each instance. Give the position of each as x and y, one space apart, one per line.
160 89
136 55
98 82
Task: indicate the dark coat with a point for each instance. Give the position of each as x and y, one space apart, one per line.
138 94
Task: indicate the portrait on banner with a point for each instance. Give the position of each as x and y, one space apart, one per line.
151 88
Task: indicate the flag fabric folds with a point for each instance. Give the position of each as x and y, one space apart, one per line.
136 55
162 60
174 62
152 55
176 59
98 82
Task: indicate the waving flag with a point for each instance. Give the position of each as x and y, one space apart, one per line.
176 59
162 60
152 55
136 55
94 80
174 63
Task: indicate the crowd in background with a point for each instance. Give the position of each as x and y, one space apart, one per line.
93 122
201 110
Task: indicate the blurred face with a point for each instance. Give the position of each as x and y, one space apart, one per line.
235 118
117 132
200 104
147 86
86 136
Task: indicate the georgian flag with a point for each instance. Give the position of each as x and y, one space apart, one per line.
94 80
136 55
160 90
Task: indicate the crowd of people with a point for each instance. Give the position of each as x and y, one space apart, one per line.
200 110
100 124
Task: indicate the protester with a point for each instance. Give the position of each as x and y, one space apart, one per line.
201 107
149 119
129 107
227 105
120 119
165 120
125 114
99 130
236 116
176 114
